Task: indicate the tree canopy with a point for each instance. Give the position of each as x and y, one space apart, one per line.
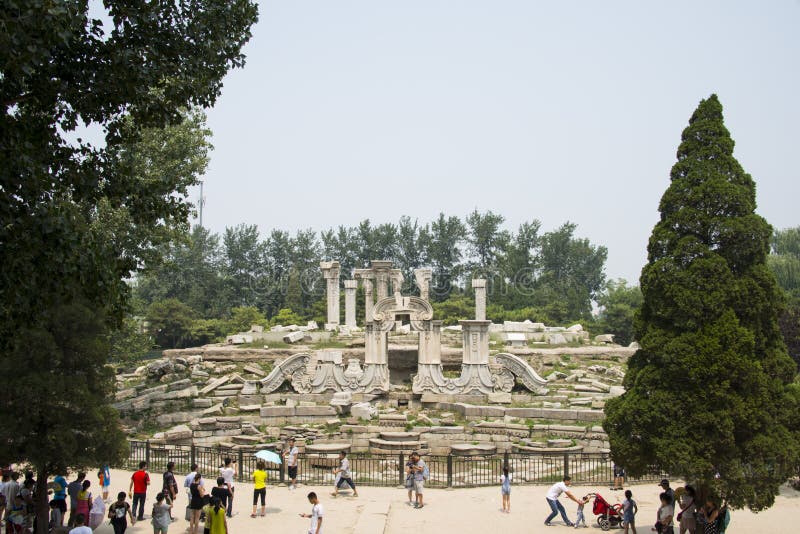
78 217
708 396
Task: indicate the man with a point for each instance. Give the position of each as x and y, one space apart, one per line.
228 472
60 497
138 487
420 471
669 491
73 489
556 507
80 526
170 488
290 456
344 476
316 514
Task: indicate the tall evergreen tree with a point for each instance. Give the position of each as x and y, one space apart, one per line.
707 395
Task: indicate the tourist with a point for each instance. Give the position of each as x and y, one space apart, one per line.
260 487
162 514
709 513
664 516
84 504
60 496
118 513
196 503
629 510
73 488
98 512
290 456
556 507
221 492
138 488
505 489
316 514
216 523
669 491
420 476
169 487
27 501
580 518
189 479
228 472
10 490
6 478
410 478
619 477
344 475
105 483
686 517
56 516
80 525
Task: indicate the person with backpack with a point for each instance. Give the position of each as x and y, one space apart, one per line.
344 475
420 476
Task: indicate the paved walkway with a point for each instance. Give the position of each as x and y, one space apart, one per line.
477 510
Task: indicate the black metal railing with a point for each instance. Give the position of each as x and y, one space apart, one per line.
446 471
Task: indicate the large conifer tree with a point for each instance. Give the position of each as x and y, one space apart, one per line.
707 394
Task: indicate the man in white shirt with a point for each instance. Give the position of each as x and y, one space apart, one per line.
228 471
316 514
290 454
556 507
189 479
80 526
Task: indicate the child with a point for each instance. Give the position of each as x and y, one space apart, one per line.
15 516
629 510
56 517
664 518
316 514
161 514
117 512
581 518
505 489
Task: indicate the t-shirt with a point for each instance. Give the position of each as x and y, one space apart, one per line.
505 482
227 474
55 517
259 479
81 530
140 480
291 457
222 493
344 467
190 478
316 514
687 504
671 493
170 485
59 488
665 512
118 510
556 490
73 488
10 490
160 517
419 475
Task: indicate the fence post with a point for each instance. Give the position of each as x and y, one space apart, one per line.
505 459
282 470
241 466
401 469
146 452
566 464
449 470
192 456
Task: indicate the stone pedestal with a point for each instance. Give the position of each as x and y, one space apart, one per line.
350 287
330 271
376 361
429 377
479 285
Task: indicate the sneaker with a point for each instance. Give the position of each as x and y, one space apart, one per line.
548 524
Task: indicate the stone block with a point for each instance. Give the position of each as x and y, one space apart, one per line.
294 337
178 432
201 403
277 411
363 410
325 411
215 409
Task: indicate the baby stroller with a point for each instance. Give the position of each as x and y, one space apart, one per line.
608 515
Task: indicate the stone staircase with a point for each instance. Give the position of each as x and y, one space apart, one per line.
396 442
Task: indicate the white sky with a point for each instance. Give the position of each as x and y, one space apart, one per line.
559 110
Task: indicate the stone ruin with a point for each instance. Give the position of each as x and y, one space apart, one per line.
332 399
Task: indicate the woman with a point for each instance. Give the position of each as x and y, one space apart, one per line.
710 513
161 515
196 503
84 500
216 517
687 513
260 487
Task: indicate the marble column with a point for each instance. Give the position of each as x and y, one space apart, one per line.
350 287
330 271
369 300
479 285
376 361
424 277
476 342
381 270
429 377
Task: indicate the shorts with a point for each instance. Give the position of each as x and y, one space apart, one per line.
419 486
505 491
261 492
292 470
61 504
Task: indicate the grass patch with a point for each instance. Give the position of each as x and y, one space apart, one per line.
329 344
260 345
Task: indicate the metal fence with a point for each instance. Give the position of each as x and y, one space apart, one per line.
389 469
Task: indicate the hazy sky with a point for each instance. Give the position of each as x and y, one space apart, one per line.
559 110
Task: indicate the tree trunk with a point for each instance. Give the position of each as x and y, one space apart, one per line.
42 506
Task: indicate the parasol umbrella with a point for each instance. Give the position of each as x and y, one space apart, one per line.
268 456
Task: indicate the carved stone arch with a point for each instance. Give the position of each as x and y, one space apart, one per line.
386 309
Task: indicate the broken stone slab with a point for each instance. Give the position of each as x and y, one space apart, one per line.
314 411
601 386
277 411
499 397
555 375
249 388
363 410
604 338
599 369
178 394
214 384
616 391
178 432
557 339
212 410
255 369
250 407
294 337
575 328
587 389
